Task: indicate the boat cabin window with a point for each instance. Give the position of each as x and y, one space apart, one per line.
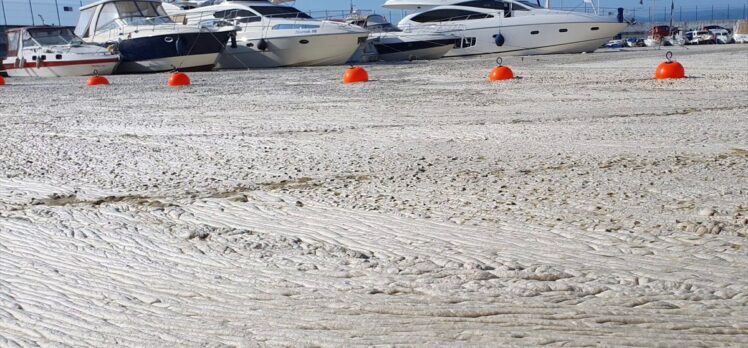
280 12
13 37
448 15
28 41
128 9
241 16
520 7
52 36
84 22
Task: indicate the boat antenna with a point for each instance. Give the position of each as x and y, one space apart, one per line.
42 18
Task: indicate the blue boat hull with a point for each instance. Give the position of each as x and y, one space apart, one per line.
183 52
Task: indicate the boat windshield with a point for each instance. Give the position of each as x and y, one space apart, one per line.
280 12
50 36
142 12
379 23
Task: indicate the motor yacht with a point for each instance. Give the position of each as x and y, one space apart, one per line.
511 27
390 43
147 39
47 51
275 35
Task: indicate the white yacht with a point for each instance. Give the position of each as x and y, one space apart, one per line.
147 39
47 51
389 43
513 27
273 35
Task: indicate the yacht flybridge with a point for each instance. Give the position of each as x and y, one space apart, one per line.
514 27
273 35
147 39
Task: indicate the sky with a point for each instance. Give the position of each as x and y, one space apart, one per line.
17 12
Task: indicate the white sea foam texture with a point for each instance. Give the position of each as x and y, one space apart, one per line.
584 204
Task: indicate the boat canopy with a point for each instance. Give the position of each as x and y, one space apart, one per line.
107 14
48 36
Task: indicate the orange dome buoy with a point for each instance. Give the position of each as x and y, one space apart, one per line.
670 69
97 80
179 79
355 75
2 81
500 73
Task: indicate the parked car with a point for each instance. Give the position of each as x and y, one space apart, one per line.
721 36
699 37
614 44
716 27
635 42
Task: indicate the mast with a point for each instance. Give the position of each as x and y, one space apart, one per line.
57 7
32 13
5 19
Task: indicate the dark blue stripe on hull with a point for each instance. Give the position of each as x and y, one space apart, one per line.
412 46
157 47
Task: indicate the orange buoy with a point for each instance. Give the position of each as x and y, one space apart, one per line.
2 81
670 69
179 79
500 73
355 75
97 80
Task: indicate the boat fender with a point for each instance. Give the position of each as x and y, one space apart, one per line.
39 61
20 62
112 48
232 37
499 39
263 45
181 46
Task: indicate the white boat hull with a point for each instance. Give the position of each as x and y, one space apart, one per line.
332 49
185 63
520 41
63 69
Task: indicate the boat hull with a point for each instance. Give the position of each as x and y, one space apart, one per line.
83 67
390 50
519 40
194 62
177 51
309 50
